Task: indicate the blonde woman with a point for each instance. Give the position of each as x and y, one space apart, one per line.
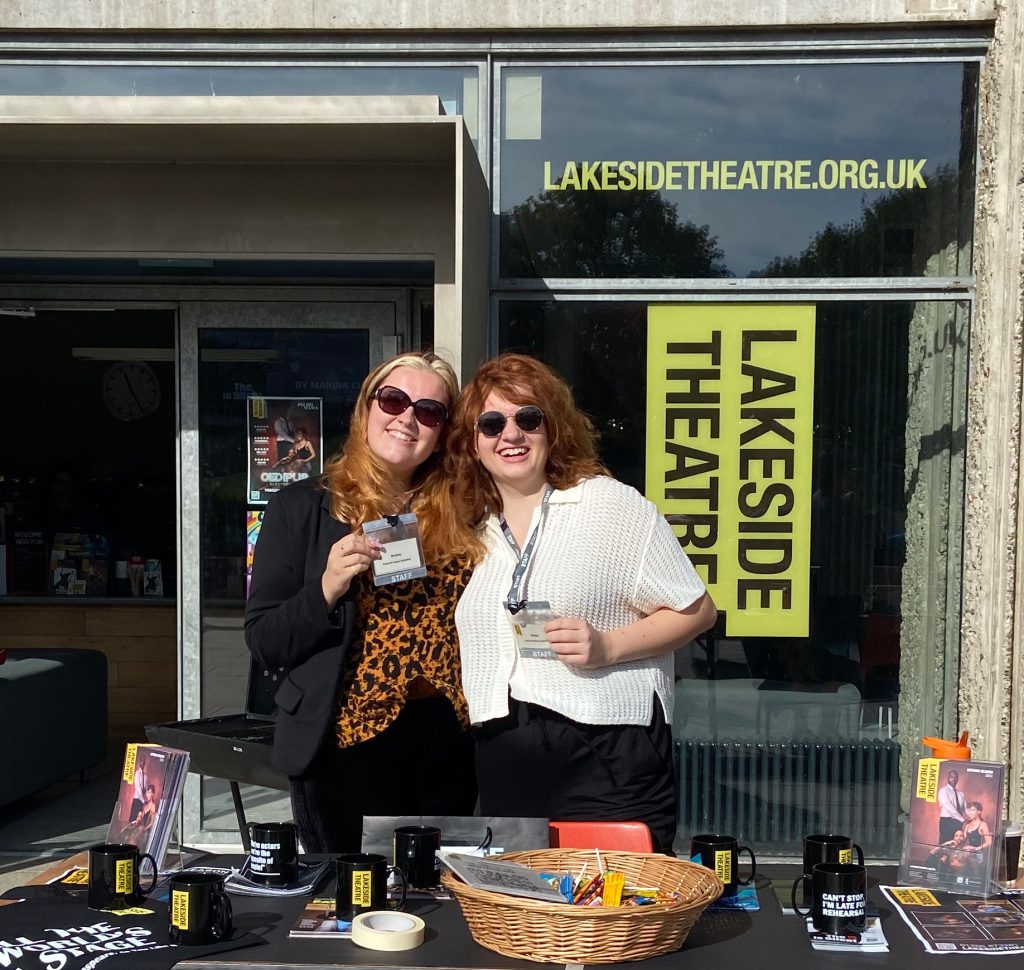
371 715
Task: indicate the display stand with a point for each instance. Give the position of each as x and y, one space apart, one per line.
174 857
952 836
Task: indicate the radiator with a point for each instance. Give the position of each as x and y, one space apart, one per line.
769 795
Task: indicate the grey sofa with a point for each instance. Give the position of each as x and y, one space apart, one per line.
53 717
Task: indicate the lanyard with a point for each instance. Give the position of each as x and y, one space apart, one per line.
514 600
397 521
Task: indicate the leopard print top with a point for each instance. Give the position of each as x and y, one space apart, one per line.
404 644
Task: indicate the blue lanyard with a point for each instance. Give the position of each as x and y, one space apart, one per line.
514 599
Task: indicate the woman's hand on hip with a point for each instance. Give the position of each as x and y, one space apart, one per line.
349 556
577 643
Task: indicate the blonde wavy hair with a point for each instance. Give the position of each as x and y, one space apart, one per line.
361 486
520 379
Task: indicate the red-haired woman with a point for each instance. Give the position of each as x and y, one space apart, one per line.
581 561
371 718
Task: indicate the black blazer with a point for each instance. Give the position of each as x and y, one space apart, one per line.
287 625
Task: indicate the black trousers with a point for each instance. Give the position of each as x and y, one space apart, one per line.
536 763
422 764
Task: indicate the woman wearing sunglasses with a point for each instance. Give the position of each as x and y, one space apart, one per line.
568 625
371 715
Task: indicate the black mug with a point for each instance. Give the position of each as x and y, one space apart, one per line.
415 847
363 884
198 909
720 854
838 897
827 848
274 853
114 875
1009 858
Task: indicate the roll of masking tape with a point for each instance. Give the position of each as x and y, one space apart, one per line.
388 931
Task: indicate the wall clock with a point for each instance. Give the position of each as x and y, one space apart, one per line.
131 389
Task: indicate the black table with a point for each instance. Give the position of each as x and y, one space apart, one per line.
720 940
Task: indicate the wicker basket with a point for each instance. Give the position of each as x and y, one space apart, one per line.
554 933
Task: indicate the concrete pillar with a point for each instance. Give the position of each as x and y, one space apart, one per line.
992 665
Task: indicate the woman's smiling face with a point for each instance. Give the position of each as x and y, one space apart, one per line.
515 459
399 440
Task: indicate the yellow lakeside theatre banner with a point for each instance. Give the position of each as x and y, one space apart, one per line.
730 398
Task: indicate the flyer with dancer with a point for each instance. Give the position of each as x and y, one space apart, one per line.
953 826
285 441
152 780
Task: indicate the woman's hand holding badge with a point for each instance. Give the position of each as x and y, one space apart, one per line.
577 643
349 556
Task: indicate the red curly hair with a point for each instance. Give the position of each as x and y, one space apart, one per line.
522 380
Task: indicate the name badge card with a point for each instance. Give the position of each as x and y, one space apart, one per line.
527 626
401 551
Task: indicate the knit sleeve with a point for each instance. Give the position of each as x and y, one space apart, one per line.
666 577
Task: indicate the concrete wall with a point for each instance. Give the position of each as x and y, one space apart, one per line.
473 228
143 208
461 15
306 177
991 685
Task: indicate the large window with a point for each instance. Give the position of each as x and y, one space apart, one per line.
271 386
87 480
737 170
777 183
782 735
259 389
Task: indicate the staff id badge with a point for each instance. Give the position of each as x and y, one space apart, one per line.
528 629
401 552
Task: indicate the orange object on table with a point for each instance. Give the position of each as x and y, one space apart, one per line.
949 750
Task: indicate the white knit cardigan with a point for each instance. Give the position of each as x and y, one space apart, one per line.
604 553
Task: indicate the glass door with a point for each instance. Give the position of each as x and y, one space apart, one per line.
267 392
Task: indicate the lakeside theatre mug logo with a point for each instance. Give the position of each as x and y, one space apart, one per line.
730 398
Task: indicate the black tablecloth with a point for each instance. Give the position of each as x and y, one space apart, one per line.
54 928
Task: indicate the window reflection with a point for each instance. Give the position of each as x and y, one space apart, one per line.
234 366
737 170
626 235
277 365
825 711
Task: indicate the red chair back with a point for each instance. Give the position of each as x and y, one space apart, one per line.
621 836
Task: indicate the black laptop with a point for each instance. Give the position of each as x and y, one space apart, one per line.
232 746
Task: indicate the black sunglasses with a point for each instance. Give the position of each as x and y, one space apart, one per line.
527 418
393 400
